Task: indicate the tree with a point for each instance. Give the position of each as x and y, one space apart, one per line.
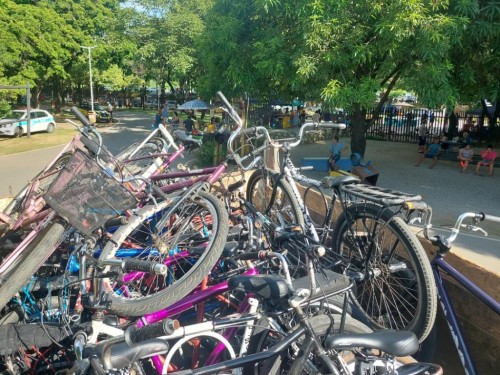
475 56
346 51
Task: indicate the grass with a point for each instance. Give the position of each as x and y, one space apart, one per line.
63 134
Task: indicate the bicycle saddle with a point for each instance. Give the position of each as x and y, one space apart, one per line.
265 286
121 355
397 343
334 181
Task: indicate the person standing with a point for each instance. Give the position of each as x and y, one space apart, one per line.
422 132
317 116
164 114
302 116
188 125
158 119
110 110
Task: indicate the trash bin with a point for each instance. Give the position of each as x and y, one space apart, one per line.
92 117
367 173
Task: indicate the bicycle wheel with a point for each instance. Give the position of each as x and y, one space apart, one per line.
397 290
29 261
189 244
284 363
285 209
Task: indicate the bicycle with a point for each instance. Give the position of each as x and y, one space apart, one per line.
440 267
274 343
395 288
101 197
145 233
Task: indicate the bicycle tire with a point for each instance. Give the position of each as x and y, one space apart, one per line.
30 260
283 363
285 210
400 292
153 292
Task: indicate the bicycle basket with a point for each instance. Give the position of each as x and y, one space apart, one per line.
86 196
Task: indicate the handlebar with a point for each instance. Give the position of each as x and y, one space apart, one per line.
276 144
476 217
230 110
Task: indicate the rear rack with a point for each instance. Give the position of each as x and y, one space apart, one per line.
379 195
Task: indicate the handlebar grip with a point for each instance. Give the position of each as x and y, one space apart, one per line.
258 255
116 222
129 265
92 146
492 218
332 125
418 206
80 116
136 335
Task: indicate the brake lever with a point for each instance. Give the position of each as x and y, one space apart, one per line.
475 228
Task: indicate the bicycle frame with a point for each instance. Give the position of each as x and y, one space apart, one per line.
439 265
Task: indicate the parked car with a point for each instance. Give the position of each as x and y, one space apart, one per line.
17 124
171 104
102 115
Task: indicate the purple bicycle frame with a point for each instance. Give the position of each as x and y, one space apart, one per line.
449 312
188 302
210 175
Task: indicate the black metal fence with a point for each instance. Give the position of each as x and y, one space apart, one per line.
398 124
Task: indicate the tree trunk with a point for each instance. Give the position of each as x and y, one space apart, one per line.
358 131
452 125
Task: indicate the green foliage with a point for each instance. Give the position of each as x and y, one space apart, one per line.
4 108
206 152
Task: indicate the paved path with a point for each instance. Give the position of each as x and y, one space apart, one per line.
17 169
449 192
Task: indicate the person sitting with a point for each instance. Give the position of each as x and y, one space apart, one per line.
432 151
175 121
465 155
335 150
488 157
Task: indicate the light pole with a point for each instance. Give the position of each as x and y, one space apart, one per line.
90 74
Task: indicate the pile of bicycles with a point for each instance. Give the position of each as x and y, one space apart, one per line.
125 264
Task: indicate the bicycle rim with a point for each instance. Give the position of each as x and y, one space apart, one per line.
189 244
397 289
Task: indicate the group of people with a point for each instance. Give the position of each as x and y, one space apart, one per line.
465 156
162 117
290 118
